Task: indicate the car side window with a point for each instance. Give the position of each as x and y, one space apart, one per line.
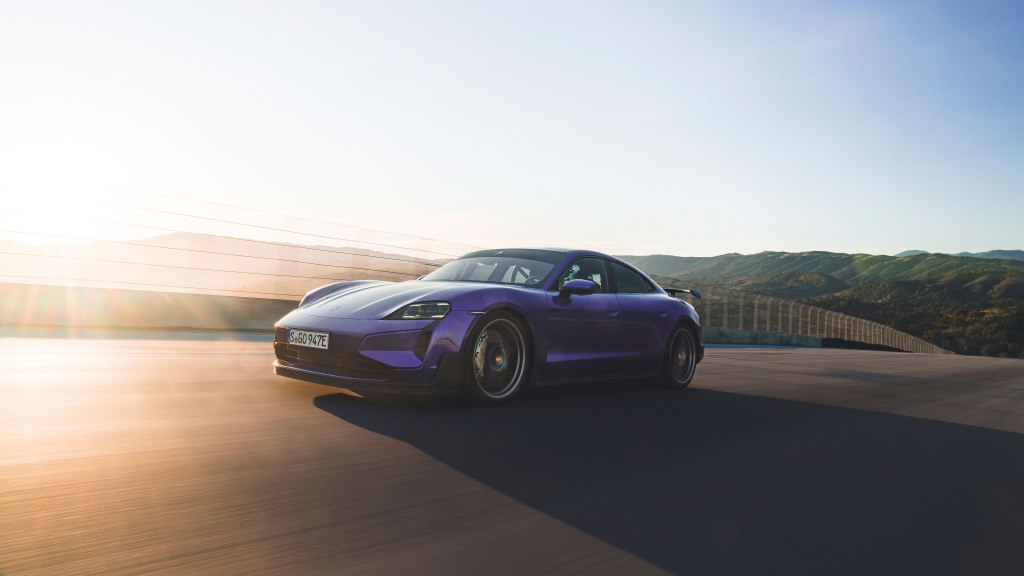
629 282
592 269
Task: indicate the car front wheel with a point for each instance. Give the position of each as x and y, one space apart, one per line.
498 359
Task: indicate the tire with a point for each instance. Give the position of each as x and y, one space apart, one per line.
680 358
498 359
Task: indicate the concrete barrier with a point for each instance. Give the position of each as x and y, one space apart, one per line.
758 338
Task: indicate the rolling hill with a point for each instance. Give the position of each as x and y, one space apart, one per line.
983 316
997 254
852 269
966 304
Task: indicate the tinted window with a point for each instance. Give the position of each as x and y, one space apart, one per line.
629 282
495 269
480 271
592 269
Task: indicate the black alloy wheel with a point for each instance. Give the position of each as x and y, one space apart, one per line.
681 359
498 359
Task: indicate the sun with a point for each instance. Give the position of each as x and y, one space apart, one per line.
70 214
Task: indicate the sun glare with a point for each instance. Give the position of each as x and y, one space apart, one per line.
43 216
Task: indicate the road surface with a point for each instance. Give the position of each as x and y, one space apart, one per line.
190 457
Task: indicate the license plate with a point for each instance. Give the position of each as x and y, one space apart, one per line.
308 339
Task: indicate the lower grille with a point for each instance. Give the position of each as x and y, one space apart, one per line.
343 364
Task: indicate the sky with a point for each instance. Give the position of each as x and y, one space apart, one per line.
688 128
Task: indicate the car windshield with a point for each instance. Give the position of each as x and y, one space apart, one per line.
519 267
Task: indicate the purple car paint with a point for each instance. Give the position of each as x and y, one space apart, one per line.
490 324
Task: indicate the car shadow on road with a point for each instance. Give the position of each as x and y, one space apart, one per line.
701 481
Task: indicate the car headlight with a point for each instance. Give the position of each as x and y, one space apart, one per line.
422 311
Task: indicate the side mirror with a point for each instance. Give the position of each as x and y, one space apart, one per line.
580 286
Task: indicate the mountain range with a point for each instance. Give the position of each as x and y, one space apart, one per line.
997 254
850 269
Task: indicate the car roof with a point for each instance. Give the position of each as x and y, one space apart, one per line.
565 253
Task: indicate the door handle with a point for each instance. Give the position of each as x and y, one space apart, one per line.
613 311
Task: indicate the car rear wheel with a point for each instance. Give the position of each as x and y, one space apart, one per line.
681 358
498 359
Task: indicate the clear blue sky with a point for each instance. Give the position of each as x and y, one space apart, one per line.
691 128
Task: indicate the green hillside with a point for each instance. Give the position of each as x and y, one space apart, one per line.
966 304
967 316
1001 254
852 269
998 254
792 285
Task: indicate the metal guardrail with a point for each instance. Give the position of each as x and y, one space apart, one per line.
730 309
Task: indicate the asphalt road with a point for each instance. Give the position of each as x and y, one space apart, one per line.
168 457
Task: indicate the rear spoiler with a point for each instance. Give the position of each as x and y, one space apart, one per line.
674 292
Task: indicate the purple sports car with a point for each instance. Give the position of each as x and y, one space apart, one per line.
491 323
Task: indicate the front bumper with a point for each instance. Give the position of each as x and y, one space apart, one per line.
387 356
447 379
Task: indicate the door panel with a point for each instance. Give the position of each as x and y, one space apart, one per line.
641 316
643 312
583 336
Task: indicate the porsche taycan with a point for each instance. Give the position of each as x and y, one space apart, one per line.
490 324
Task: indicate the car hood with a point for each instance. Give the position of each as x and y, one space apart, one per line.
377 300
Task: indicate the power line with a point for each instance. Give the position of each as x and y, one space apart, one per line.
177 231
198 251
271 228
65 278
87 259
222 221
268 212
